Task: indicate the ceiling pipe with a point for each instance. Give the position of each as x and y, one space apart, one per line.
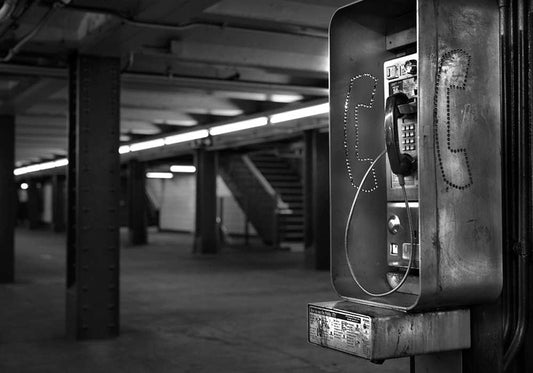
30 35
7 9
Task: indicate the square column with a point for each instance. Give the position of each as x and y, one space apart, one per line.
206 233
58 203
316 198
7 199
137 220
93 242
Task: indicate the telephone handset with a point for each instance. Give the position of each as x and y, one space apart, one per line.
401 164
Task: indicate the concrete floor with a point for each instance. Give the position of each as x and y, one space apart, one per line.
239 311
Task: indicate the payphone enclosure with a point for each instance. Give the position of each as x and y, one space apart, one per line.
451 133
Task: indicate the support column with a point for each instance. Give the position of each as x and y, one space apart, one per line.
58 203
7 199
206 234
317 232
34 204
93 198
137 221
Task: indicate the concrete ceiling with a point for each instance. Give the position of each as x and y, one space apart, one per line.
185 62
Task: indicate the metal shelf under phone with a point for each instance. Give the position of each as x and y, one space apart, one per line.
377 334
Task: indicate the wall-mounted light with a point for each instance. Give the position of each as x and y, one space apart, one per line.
24 186
183 169
159 175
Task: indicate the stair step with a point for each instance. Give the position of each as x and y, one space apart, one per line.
284 169
291 218
292 197
298 228
294 236
286 184
290 191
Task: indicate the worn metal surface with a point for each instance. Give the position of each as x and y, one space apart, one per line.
377 333
461 205
93 188
459 149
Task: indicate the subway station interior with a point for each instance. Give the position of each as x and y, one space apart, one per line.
266 186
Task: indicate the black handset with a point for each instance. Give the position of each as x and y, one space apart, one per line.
401 164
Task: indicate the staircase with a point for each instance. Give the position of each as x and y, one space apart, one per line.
270 193
288 186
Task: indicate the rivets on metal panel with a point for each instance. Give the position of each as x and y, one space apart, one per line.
369 105
456 54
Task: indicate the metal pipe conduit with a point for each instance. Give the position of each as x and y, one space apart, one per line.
524 161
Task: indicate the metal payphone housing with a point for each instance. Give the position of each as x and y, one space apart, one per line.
457 203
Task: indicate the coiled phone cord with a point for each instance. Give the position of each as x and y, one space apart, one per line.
347 230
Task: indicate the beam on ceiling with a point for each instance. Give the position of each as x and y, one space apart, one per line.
134 80
297 63
281 11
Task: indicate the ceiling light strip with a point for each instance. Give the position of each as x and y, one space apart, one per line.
183 169
159 175
195 135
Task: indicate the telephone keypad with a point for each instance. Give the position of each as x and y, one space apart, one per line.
408 136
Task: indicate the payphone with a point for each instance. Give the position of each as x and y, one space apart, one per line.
415 176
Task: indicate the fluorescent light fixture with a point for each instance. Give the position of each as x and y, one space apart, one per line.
40 167
124 149
159 175
285 98
147 145
300 113
183 169
61 162
187 136
24 186
238 126
176 122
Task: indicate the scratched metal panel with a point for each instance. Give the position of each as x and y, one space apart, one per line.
460 194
